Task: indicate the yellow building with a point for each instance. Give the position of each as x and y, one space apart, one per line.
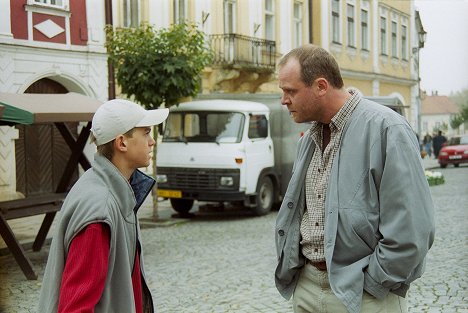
374 41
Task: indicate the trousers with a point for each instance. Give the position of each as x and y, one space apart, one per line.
313 294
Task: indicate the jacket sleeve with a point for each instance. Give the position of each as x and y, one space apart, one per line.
406 215
85 271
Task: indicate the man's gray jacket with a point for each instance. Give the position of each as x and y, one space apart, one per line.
379 222
101 195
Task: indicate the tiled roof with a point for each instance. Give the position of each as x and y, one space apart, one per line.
438 105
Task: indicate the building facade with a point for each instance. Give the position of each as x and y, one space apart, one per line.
374 41
436 113
58 46
46 46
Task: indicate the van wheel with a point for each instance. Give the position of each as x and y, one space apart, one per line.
182 206
265 196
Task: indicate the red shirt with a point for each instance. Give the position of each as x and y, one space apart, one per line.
84 275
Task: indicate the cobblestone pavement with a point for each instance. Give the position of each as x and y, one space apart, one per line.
218 262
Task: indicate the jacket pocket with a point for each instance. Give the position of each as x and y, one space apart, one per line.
357 232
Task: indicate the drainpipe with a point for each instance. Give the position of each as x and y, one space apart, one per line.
110 67
311 37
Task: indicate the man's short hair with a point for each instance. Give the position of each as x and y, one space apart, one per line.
107 149
315 62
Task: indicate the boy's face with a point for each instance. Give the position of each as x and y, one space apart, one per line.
140 147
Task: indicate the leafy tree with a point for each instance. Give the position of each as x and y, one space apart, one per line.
460 118
460 98
158 66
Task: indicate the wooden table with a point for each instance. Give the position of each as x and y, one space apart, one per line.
47 204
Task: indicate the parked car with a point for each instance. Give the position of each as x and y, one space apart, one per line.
455 151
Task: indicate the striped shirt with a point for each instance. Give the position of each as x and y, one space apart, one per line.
316 182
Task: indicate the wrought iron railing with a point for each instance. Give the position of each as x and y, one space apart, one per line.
234 50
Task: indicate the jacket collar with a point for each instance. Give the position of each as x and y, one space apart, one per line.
130 195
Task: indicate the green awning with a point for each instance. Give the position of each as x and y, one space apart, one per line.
1 110
30 108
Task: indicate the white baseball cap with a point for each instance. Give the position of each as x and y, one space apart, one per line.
118 116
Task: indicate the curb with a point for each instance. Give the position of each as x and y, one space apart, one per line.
149 223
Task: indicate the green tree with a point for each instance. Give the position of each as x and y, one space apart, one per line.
460 118
158 66
460 97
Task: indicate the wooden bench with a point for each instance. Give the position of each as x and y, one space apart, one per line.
47 204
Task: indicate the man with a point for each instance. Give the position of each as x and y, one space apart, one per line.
427 142
437 143
95 261
357 219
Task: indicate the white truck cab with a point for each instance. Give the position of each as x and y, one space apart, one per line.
223 151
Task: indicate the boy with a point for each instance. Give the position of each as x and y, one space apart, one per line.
95 260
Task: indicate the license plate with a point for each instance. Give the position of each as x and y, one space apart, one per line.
455 157
169 193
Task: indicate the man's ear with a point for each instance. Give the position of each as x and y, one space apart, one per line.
120 143
322 85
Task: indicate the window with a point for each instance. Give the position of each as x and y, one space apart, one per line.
404 49
351 33
383 35
204 126
364 30
258 127
58 3
394 40
130 13
229 16
297 24
269 20
180 11
336 21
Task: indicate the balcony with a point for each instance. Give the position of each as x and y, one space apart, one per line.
242 52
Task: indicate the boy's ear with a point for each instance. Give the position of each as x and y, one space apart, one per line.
120 143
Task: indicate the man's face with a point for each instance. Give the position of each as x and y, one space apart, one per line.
301 100
140 146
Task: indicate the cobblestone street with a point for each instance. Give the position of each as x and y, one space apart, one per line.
218 262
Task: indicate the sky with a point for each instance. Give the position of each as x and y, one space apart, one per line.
444 58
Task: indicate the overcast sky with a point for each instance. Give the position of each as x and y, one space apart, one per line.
444 58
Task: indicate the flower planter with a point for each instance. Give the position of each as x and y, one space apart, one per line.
434 178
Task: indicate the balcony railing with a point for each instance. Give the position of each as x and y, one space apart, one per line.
238 51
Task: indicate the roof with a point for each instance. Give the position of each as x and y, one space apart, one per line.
220 105
438 105
30 108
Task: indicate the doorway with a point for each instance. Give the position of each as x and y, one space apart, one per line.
41 152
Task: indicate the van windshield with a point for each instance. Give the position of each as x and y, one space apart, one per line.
199 126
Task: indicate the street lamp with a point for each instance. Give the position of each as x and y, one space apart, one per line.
421 38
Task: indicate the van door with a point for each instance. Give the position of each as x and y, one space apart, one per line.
259 150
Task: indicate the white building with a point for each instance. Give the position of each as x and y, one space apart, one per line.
46 47
436 113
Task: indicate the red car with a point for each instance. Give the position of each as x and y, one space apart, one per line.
455 151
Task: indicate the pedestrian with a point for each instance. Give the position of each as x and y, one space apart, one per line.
357 220
95 262
437 143
427 142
